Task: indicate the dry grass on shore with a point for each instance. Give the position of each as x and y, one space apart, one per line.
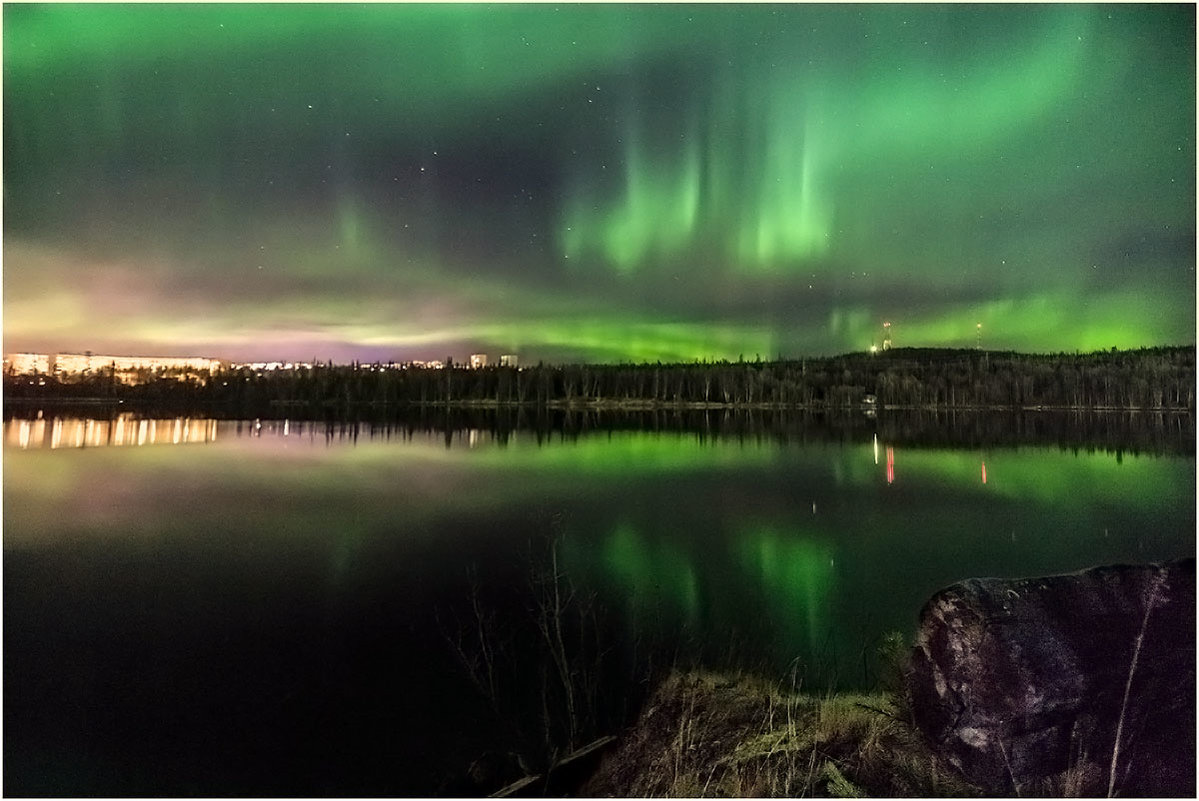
713 735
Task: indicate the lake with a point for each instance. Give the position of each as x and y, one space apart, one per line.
283 607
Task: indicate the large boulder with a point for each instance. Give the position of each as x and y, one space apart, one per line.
1075 683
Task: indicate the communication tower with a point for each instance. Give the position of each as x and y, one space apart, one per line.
886 336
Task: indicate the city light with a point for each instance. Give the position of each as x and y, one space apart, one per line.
126 369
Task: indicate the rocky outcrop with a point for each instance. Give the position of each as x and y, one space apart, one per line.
1082 682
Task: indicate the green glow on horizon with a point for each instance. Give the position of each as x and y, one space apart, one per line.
635 340
1100 322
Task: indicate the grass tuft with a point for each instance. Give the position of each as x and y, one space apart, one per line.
714 735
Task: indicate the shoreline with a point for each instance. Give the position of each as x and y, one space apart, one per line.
630 405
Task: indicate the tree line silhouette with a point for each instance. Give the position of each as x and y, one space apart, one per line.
1147 378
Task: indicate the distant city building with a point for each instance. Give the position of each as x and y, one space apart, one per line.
27 363
508 360
433 365
478 360
123 367
259 366
90 362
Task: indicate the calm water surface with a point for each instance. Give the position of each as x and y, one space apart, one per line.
278 607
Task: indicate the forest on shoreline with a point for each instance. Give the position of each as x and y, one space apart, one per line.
1161 378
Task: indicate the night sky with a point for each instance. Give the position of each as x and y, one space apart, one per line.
596 182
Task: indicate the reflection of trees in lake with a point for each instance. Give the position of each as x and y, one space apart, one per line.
1136 432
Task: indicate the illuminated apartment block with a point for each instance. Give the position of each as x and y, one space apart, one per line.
478 360
125 368
260 366
74 362
508 360
27 363
90 362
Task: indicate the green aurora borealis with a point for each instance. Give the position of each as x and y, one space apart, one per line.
596 182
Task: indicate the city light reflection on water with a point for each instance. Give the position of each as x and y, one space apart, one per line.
128 429
121 430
